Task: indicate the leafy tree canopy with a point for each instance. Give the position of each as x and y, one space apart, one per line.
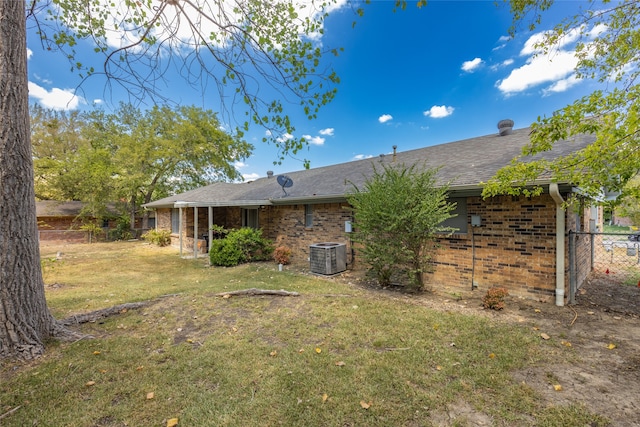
133 155
630 207
608 51
240 49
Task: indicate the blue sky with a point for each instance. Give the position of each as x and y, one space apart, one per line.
412 78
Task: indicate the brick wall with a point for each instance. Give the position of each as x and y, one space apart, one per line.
285 225
56 223
63 236
163 219
513 248
61 229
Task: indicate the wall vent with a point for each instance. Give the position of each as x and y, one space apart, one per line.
328 258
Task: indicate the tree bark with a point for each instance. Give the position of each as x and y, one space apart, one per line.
25 321
94 316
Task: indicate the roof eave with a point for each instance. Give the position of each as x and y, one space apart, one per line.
329 198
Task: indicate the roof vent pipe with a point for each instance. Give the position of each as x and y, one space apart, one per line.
505 127
269 174
395 147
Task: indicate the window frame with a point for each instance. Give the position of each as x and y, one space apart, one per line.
460 221
175 220
308 216
251 218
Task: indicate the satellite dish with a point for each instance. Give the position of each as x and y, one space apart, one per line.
285 182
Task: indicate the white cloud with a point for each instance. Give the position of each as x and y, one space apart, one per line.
327 132
41 79
284 138
250 176
562 85
362 156
29 53
439 111
471 66
505 63
598 30
538 70
98 101
314 140
385 118
57 99
556 67
239 165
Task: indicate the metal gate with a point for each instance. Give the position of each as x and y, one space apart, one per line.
614 255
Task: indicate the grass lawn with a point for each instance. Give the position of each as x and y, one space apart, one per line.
337 355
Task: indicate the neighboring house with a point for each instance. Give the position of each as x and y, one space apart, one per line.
61 221
519 243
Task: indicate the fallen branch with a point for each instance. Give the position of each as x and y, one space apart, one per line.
6 414
101 314
254 291
575 317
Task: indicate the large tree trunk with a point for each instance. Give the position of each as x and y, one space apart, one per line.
25 321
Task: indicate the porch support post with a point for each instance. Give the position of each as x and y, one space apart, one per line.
195 232
180 229
210 225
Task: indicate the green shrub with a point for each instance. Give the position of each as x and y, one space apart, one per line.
93 229
240 246
158 237
282 255
224 254
123 228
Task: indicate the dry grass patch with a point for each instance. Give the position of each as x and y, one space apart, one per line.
354 359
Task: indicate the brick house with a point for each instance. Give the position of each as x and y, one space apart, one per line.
515 242
58 221
61 221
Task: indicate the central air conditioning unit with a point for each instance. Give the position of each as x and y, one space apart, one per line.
328 258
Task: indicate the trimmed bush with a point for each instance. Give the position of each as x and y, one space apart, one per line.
240 246
282 255
494 298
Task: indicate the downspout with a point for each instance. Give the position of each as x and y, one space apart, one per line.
560 230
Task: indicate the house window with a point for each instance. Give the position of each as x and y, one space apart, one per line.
250 218
175 221
105 223
459 219
308 216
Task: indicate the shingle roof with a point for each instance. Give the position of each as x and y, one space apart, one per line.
464 164
53 208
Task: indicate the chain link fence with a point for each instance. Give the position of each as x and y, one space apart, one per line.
611 256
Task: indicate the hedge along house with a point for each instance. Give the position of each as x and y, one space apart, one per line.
518 243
